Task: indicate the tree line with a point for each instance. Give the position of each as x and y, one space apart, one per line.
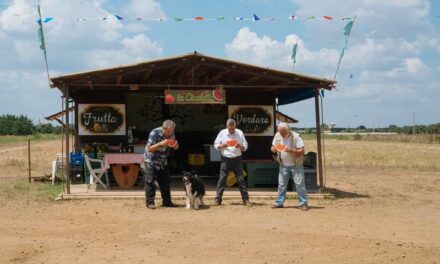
418 129
21 125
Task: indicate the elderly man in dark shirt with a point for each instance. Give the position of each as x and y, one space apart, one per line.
160 141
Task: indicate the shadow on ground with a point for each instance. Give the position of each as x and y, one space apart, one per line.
338 194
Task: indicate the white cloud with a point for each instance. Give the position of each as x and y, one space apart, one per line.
72 46
247 46
138 48
145 9
18 16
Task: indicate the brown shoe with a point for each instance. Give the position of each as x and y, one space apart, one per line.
304 207
275 206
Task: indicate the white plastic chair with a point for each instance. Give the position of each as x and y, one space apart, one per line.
96 173
58 166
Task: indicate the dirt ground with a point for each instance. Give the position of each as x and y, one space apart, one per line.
382 216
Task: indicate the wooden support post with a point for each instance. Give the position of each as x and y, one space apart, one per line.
318 139
67 164
29 159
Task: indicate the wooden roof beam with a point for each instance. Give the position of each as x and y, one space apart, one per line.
251 80
220 74
146 75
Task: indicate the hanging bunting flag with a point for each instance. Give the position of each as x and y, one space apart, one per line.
119 17
253 18
322 92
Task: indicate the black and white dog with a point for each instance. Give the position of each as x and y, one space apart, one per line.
195 190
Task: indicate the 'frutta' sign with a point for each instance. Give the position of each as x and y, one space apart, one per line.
217 96
253 120
101 119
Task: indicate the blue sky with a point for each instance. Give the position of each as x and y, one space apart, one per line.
392 56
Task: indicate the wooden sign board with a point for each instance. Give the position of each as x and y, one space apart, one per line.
101 119
253 120
217 96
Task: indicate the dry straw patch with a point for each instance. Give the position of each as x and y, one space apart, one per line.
377 154
14 158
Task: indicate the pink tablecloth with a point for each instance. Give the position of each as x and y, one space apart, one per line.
122 158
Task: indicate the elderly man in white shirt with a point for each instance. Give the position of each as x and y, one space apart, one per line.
231 143
291 165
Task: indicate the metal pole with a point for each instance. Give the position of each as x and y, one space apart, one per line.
67 167
414 124
318 138
29 159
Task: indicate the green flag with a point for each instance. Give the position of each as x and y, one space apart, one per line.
294 52
347 28
40 32
42 42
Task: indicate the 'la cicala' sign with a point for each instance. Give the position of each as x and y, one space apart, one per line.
101 119
253 120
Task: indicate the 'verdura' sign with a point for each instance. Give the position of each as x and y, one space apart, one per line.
100 119
253 120
216 96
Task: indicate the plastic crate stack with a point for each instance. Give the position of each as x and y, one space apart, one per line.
77 167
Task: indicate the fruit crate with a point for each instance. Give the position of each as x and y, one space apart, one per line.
262 173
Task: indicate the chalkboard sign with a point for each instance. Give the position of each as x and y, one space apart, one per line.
101 119
253 120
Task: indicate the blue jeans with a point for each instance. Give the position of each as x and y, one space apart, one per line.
287 172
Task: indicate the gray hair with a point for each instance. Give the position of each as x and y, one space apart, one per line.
283 125
169 124
231 122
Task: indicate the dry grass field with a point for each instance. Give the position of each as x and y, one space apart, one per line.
386 210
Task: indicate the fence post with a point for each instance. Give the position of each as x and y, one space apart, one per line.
29 159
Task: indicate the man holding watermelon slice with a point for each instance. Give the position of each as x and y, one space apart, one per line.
289 148
160 142
231 143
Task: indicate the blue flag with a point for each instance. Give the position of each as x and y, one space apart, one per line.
47 19
255 18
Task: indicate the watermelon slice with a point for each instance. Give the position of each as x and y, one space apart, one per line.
169 98
171 143
281 147
217 95
232 142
